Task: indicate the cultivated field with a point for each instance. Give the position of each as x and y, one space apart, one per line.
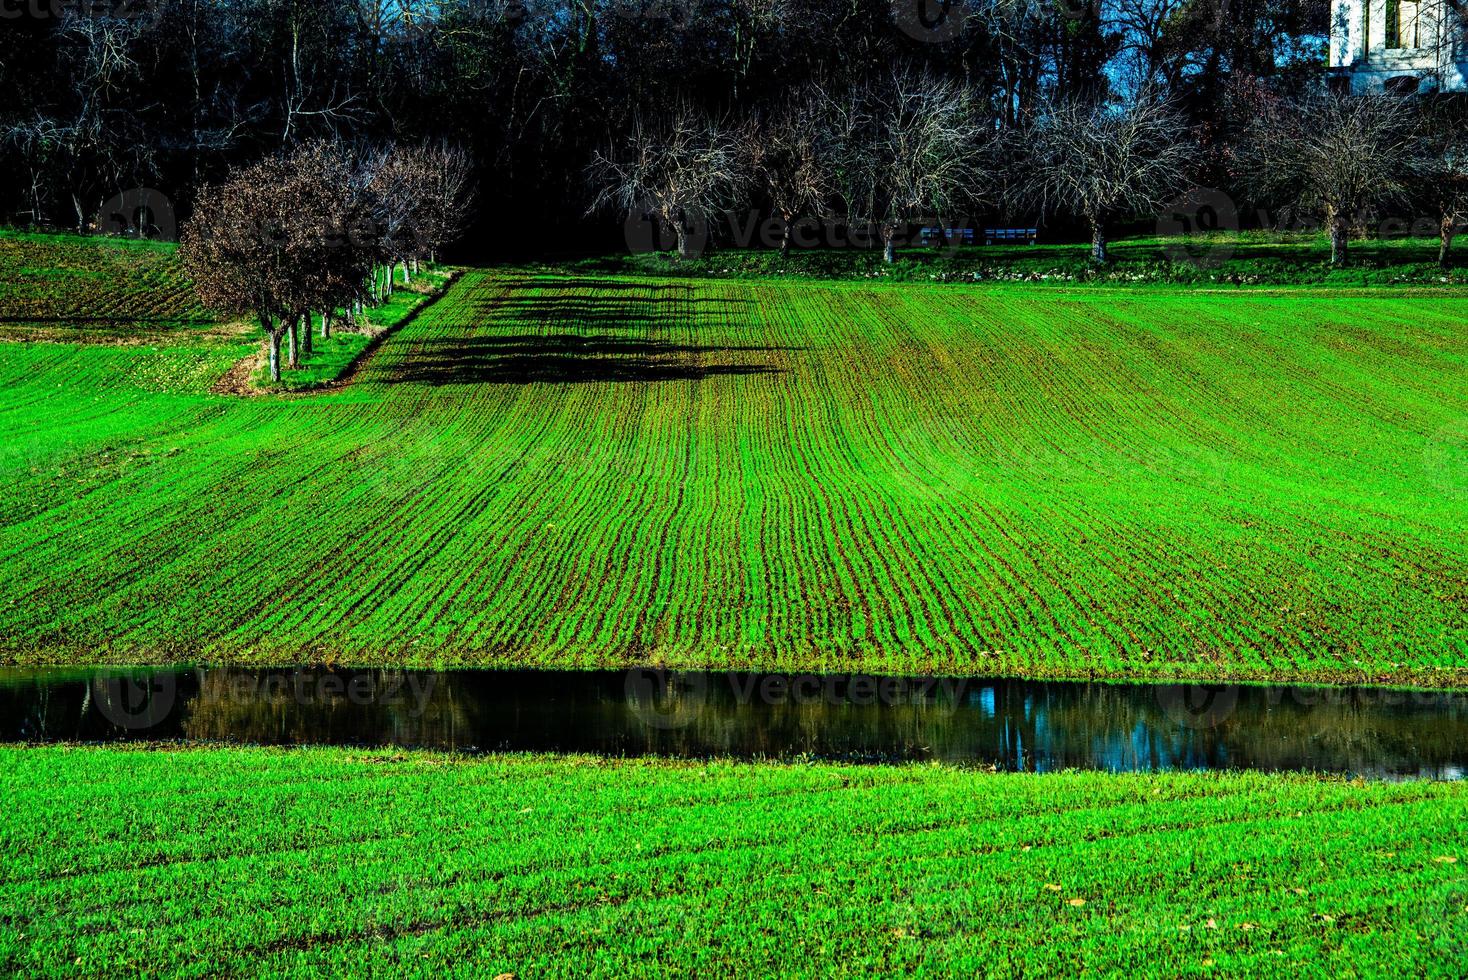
543 470
257 862
66 287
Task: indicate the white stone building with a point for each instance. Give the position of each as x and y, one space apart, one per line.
1399 46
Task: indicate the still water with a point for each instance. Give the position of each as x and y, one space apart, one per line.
1011 725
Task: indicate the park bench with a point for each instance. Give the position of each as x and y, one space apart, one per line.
940 236
1010 236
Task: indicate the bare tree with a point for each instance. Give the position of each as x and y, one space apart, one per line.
793 153
392 189
910 148
445 175
279 239
1334 155
1439 176
679 171
99 138
1103 163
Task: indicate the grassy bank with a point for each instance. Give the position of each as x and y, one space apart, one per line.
332 357
255 862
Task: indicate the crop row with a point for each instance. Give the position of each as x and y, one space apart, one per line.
80 288
545 470
333 861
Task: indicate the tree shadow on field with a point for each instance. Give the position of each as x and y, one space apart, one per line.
587 337
569 359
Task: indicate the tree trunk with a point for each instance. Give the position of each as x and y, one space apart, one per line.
1340 242
1448 230
1099 251
293 359
274 337
889 244
307 344
326 325
685 248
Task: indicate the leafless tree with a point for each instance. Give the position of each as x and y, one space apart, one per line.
680 171
279 239
391 186
98 142
793 152
1439 176
445 175
1334 155
1103 163
910 148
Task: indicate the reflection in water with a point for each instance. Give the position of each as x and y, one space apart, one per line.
1013 725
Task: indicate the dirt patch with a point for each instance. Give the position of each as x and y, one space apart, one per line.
237 380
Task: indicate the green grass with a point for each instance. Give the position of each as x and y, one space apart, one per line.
263 862
332 357
1247 259
550 471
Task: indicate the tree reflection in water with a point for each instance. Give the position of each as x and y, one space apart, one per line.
1012 725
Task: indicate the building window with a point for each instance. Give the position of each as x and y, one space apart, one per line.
1403 24
1403 85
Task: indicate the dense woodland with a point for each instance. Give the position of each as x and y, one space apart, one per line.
108 95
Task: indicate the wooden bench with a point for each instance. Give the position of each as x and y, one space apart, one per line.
1011 236
940 236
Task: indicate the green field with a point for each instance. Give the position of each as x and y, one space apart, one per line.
65 287
259 862
550 470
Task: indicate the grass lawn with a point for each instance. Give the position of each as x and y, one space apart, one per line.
261 862
572 471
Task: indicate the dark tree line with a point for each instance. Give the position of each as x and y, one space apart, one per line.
173 94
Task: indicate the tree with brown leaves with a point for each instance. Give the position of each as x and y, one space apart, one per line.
278 239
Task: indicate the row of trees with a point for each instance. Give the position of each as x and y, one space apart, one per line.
106 96
322 228
914 148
